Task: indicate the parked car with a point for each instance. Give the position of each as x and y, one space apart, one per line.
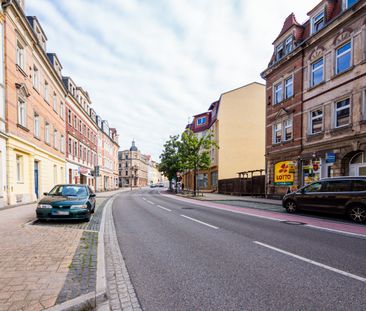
67 202
339 195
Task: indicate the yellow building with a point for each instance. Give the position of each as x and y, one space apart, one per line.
237 123
35 109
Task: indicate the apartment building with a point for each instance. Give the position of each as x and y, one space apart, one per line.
81 135
35 106
325 112
133 167
236 123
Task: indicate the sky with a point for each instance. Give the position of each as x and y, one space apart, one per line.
150 65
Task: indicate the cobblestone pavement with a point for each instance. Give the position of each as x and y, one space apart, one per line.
37 262
120 290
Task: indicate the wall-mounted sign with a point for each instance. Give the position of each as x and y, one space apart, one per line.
330 157
284 173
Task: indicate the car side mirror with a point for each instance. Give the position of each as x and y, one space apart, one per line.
92 195
45 193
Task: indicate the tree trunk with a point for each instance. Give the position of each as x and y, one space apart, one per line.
194 182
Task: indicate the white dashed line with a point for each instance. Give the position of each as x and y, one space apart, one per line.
150 202
353 276
201 222
164 208
144 199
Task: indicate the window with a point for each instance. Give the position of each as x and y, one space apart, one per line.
287 128
317 72
289 87
70 146
62 110
277 130
348 3
46 91
69 116
337 186
288 45
36 125
278 93
75 122
55 139
279 52
342 113
47 133
80 126
358 185
316 121
19 165
343 57
22 112
315 187
35 78
20 55
75 149
54 102
317 22
201 120
364 104
55 174
62 145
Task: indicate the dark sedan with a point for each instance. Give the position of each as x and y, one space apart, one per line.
67 202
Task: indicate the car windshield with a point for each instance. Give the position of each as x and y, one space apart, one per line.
69 191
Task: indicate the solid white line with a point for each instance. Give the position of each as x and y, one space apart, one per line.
353 276
144 199
164 208
150 202
337 231
201 222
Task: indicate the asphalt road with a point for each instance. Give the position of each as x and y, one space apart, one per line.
181 256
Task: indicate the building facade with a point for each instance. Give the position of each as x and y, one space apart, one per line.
35 145
326 56
81 136
133 167
236 123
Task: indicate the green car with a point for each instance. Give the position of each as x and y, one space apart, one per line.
67 202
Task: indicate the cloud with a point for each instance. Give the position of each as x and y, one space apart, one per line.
150 65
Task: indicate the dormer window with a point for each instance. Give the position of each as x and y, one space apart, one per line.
288 45
317 22
279 52
348 3
201 121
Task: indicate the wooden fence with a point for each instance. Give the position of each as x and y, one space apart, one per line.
253 186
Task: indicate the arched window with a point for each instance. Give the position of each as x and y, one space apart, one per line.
357 165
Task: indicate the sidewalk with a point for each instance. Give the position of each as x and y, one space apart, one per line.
224 197
36 259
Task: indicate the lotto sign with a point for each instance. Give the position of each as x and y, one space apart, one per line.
284 173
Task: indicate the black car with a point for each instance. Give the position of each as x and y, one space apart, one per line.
67 202
339 195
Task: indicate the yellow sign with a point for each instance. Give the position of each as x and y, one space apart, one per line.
284 173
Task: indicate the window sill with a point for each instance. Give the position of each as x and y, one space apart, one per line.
310 88
20 182
315 136
341 128
284 101
21 70
37 138
46 101
22 127
34 88
282 143
48 144
336 75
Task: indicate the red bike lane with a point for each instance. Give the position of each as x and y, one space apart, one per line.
323 224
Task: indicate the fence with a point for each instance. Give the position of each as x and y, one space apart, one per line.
253 186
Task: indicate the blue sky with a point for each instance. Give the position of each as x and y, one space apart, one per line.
150 65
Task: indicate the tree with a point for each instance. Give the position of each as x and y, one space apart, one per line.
170 162
195 153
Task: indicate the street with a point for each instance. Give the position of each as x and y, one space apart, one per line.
184 256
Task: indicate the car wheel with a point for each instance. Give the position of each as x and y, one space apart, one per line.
290 206
357 213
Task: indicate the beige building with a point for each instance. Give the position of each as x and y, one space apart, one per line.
236 122
35 109
133 168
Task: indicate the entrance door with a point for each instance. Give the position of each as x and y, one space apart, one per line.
36 179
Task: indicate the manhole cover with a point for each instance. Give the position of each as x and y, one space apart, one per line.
289 222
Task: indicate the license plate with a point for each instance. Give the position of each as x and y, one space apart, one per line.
61 213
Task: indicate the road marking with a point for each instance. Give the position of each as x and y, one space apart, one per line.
150 202
144 199
359 235
164 208
353 276
201 222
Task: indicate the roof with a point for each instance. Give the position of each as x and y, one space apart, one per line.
289 22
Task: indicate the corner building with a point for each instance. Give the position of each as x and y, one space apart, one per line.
35 114
315 94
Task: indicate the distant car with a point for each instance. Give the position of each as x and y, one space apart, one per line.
67 202
152 185
160 184
338 195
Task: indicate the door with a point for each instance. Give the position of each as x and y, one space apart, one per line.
311 197
36 178
337 193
